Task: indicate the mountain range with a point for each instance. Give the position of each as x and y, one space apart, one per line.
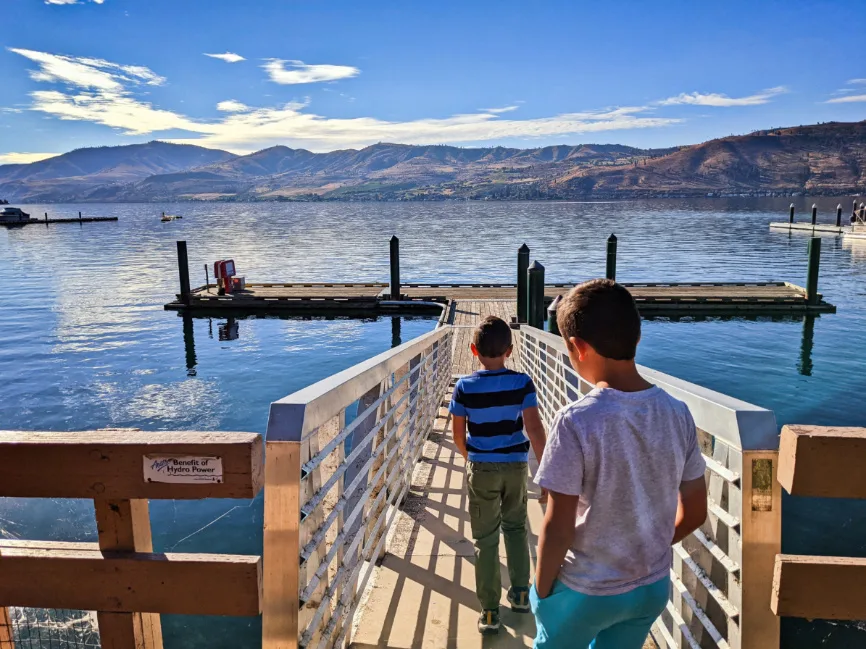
827 158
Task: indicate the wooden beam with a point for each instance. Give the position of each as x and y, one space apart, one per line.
7 639
80 576
826 588
124 525
110 465
823 461
280 604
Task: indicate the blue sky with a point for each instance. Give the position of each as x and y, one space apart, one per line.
330 75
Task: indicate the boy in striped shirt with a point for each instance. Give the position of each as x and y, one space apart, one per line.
498 409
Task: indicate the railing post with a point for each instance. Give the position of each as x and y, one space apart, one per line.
791 215
124 526
761 533
552 324
535 301
183 270
812 296
610 272
282 516
522 267
395 268
839 215
814 214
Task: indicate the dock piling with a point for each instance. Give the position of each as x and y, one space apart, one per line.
522 267
791 214
814 214
839 215
535 302
812 297
610 272
183 270
552 324
395 268
79 216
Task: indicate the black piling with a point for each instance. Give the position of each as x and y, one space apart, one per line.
535 301
610 272
183 271
522 267
79 216
206 278
395 268
552 324
814 214
812 296
791 214
839 215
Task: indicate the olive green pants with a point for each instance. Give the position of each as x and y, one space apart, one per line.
497 498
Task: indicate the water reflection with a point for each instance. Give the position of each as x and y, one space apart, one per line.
189 345
805 364
396 335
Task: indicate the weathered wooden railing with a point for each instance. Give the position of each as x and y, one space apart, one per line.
722 574
821 462
121 577
340 454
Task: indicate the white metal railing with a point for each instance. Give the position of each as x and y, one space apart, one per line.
721 575
340 453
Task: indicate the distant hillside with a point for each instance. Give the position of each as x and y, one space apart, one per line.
73 175
821 159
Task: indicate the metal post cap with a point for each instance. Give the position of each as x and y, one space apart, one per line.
394 238
535 266
523 248
555 304
612 237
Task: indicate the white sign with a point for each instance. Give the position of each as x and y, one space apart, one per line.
184 469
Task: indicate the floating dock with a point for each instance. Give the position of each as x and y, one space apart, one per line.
85 219
374 298
819 228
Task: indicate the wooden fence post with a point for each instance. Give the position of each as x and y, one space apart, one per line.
124 526
7 639
280 605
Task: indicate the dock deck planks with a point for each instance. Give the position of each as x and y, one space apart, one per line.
653 298
466 314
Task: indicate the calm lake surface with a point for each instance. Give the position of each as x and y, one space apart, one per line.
86 343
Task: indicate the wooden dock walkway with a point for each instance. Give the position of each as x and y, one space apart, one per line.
722 298
466 314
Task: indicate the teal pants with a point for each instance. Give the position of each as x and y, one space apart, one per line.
566 619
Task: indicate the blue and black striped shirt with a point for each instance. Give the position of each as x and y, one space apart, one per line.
493 402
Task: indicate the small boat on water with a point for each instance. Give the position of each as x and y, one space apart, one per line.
11 216
170 217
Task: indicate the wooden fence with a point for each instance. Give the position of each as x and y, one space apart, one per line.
722 573
120 576
821 462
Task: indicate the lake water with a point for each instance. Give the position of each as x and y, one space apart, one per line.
86 343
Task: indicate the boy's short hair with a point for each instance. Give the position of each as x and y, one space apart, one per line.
603 314
492 337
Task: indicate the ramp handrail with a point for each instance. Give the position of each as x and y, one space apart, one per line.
339 455
722 574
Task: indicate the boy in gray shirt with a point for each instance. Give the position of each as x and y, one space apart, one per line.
626 481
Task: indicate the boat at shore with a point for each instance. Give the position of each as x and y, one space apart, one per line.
12 216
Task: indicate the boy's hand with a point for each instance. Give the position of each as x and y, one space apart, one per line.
542 499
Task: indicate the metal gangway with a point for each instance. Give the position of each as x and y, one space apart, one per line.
342 453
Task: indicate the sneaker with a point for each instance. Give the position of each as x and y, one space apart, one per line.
488 623
519 599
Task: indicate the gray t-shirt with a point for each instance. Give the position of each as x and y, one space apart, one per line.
625 454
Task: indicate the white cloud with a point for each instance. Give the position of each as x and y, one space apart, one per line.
723 101
497 111
857 81
71 2
232 106
86 72
301 72
228 57
24 158
848 99
103 93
